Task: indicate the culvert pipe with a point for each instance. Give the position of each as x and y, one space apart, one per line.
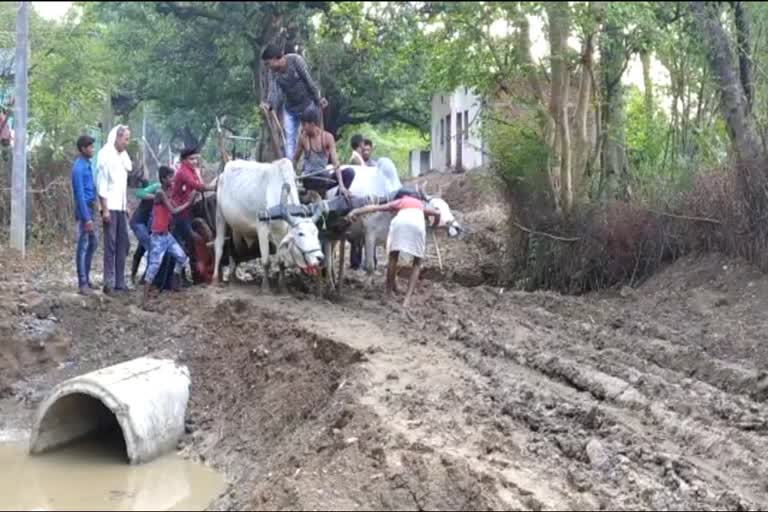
147 397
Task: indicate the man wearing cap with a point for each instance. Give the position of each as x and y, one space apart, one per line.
185 183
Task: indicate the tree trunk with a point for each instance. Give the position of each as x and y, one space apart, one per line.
700 102
265 151
549 128
742 40
645 59
734 104
675 77
582 142
750 158
649 101
614 155
597 130
188 139
559 14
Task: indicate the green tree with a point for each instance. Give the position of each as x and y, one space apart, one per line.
371 63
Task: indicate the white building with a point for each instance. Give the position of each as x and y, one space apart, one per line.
418 162
456 139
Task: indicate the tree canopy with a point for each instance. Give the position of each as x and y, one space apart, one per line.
379 64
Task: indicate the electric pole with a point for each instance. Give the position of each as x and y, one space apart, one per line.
19 185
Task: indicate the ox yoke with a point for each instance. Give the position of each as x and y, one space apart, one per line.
337 207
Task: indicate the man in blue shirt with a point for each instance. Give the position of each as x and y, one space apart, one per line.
84 192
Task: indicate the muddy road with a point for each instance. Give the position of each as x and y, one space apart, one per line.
482 398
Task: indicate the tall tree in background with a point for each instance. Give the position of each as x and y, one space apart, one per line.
614 58
558 14
371 63
735 103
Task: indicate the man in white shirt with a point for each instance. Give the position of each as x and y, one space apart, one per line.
363 151
114 164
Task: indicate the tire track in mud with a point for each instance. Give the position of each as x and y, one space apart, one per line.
429 398
647 425
417 390
410 455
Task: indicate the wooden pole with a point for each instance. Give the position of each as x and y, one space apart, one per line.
275 132
437 248
19 185
144 142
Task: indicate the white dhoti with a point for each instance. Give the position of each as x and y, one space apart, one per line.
408 233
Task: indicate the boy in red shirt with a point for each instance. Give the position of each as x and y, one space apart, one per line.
162 240
186 183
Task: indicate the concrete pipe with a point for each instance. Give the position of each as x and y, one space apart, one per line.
147 397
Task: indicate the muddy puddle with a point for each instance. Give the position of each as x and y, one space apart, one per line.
94 475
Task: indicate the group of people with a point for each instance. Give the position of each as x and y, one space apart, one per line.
162 223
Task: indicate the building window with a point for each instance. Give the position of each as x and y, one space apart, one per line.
466 125
442 132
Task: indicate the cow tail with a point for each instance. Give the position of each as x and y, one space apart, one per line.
219 184
208 219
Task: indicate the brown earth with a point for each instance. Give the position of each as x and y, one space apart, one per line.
480 398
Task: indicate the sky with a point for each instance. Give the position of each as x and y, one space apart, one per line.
51 10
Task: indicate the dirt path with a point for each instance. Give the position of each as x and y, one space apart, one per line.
423 392
553 415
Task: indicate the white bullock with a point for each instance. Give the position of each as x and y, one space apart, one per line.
383 181
246 189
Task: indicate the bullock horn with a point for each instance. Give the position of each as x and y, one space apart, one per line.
291 220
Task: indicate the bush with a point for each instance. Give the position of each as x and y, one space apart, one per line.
619 242
50 208
606 245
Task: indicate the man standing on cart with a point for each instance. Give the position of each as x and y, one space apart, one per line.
289 74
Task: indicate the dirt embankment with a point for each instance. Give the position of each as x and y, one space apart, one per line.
482 398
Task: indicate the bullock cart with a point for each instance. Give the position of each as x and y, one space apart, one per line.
332 226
